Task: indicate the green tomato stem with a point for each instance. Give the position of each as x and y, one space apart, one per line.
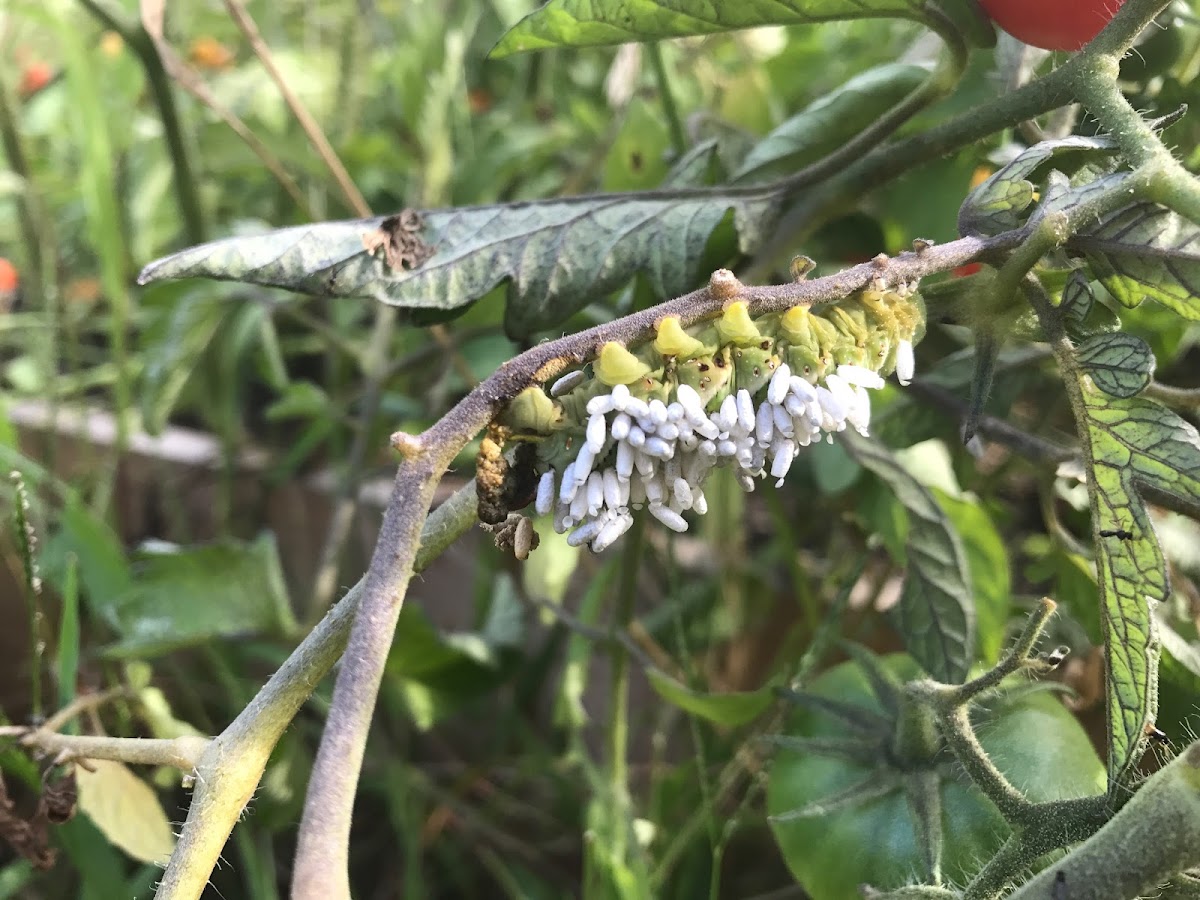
1154 836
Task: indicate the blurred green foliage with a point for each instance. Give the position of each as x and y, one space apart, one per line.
499 764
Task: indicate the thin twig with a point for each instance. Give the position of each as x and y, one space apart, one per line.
191 81
1169 395
244 21
183 753
81 704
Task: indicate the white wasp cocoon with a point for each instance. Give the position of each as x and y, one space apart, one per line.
633 451
545 494
567 383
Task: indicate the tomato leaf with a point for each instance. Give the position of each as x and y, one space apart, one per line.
1146 251
1077 302
183 320
593 23
189 595
125 809
1120 364
1137 447
987 559
557 255
936 611
731 709
830 121
997 204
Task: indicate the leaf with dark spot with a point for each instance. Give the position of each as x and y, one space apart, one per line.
557 255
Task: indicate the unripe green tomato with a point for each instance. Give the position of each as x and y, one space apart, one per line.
1032 739
1052 24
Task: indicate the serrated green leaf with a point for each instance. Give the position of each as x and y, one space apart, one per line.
1145 251
594 23
185 596
1136 447
830 121
558 255
997 204
1120 364
730 710
936 611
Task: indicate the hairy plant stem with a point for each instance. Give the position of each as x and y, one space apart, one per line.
1037 827
183 753
1155 835
321 870
1169 182
885 162
1170 395
228 772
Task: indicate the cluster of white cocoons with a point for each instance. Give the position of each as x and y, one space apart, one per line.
639 453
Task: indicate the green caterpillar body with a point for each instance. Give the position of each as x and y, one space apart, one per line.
719 357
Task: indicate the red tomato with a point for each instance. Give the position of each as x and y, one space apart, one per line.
9 279
35 77
1052 24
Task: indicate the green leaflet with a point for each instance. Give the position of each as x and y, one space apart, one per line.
1120 364
1077 301
997 204
592 23
936 612
1136 447
184 596
1146 251
829 122
730 710
557 255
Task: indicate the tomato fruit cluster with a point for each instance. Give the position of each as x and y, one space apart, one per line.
1052 24
1030 736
